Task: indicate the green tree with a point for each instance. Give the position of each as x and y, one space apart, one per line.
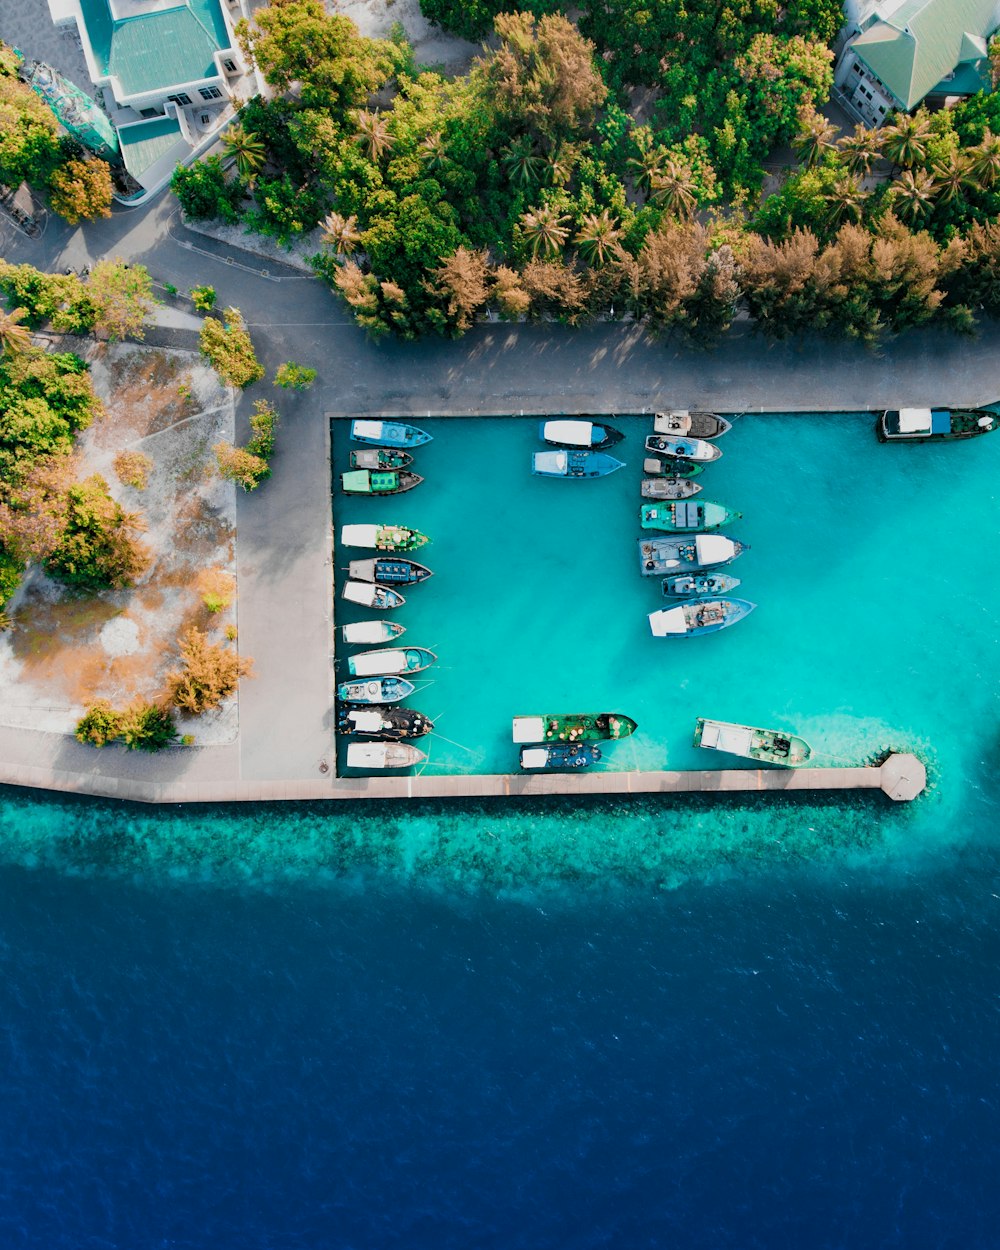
860 150
846 201
341 233
248 151
814 138
238 465
674 189
229 348
99 547
913 194
14 337
147 727
81 189
120 295
905 142
29 133
523 162
295 377
372 134
99 725
545 230
204 191
598 237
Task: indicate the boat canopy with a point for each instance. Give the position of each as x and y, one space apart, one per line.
914 420
365 722
552 461
721 736
358 480
358 535
529 729
367 429
534 757
668 621
573 433
713 548
371 662
365 631
360 592
676 421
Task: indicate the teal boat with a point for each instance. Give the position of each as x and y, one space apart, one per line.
655 466
390 661
681 516
378 481
388 433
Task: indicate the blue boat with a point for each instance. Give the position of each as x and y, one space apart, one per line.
388 434
686 553
375 690
388 571
687 585
579 432
560 755
698 616
577 464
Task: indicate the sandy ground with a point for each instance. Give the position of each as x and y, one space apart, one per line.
433 47
67 649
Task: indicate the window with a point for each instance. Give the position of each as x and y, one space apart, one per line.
856 67
881 109
205 119
148 113
210 93
230 66
180 98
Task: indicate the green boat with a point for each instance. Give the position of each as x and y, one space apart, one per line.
378 481
680 516
573 727
655 466
768 746
382 537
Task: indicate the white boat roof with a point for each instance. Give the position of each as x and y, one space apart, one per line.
368 429
672 421
365 631
914 420
529 729
576 433
668 621
534 757
713 548
366 722
552 460
358 535
722 736
383 755
360 592
389 661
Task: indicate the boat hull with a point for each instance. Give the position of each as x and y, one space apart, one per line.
375 690
691 424
382 537
380 458
659 557
389 572
391 661
389 433
698 617
682 517
961 423
378 482
580 434
657 467
569 756
573 727
370 633
669 488
765 746
697 450
371 595
695 585
574 464
381 755
393 724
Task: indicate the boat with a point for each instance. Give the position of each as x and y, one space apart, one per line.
393 723
560 755
389 433
698 616
694 449
369 595
669 488
684 515
925 425
368 755
378 481
770 746
658 556
376 690
687 585
656 467
380 458
382 537
390 660
680 423
392 572
581 433
574 464
573 727
370 632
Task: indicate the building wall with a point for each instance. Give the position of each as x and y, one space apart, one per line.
872 99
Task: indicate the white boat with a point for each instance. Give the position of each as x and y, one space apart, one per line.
579 433
682 422
369 755
372 595
390 661
371 632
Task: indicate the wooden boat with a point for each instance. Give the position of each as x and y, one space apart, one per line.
697 617
680 423
378 481
580 433
378 721
371 632
559 755
770 746
389 433
370 595
669 488
687 585
685 516
382 537
573 727
375 690
380 458
926 425
659 556
576 464
391 661
694 449
376 755
389 572
656 467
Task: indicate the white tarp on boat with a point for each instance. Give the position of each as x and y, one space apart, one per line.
368 663
365 722
721 736
529 729
667 622
713 548
366 631
360 592
572 433
367 429
361 570
676 421
552 462
914 420
534 757
383 755
358 535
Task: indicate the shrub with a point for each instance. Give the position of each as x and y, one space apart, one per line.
11 572
98 547
81 189
132 468
217 588
238 465
263 422
296 377
230 349
204 298
99 725
204 192
120 295
209 674
147 727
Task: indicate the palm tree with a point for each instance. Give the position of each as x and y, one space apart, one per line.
985 159
247 149
846 201
647 167
545 231
597 237
341 233
814 138
952 177
433 153
372 133
561 163
905 143
522 162
859 151
675 189
913 193
14 337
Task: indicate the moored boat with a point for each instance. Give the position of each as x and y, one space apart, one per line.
379 721
573 727
391 661
695 449
769 746
382 537
659 556
380 458
925 425
686 516
687 585
371 595
682 423
669 488
579 433
656 467
389 572
375 690
370 632
698 616
389 433
577 464
559 755
378 481
367 755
